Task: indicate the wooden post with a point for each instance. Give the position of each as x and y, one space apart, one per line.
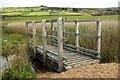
60 44
98 46
52 29
34 37
77 37
44 40
27 36
63 28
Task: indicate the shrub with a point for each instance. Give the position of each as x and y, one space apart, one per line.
8 48
18 71
20 67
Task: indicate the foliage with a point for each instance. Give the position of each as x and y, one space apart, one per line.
38 18
20 67
8 48
18 71
75 9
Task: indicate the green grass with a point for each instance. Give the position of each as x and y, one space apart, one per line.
13 13
38 18
11 37
20 66
48 13
37 13
17 9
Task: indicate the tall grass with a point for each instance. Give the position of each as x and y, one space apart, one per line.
109 42
20 67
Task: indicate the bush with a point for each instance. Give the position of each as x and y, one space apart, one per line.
18 71
20 67
8 48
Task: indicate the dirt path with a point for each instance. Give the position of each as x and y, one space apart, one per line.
106 70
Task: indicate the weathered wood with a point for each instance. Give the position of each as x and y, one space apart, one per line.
84 20
67 21
98 46
81 48
27 36
47 36
44 40
77 37
55 54
83 63
34 36
63 27
52 29
84 49
60 44
71 33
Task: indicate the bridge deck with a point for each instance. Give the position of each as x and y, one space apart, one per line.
71 59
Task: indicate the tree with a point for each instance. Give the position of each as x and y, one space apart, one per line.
31 10
100 12
75 9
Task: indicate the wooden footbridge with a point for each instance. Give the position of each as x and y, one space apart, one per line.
59 55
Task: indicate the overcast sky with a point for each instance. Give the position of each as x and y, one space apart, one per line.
60 3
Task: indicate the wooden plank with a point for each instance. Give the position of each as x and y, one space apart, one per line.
52 29
68 21
47 36
63 27
27 36
55 54
73 50
78 60
34 36
98 46
71 33
84 49
88 35
44 40
82 62
60 44
30 32
77 37
84 20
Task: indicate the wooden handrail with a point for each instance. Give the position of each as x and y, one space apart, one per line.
96 20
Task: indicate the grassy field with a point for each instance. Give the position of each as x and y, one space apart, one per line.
19 9
38 18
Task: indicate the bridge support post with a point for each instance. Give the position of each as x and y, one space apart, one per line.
27 36
63 28
98 42
34 37
77 37
52 29
44 40
60 44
